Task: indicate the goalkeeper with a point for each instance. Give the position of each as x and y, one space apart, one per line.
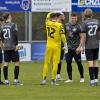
55 34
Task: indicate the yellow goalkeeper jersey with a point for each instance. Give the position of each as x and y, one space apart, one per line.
54 31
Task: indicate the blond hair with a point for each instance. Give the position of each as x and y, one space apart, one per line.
88 13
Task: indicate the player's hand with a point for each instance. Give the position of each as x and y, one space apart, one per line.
18 47
78 50
2 46
65 48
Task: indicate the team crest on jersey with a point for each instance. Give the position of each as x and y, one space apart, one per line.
74 29
25 4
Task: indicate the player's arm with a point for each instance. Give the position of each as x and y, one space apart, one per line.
82 41
62 32
1 44
82 44
63 39
15 31
48 16
16 37
82 37
1 40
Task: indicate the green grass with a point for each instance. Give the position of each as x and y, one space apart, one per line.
31 90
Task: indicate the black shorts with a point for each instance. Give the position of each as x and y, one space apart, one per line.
62 54
91 54
72 54
11 55
1 57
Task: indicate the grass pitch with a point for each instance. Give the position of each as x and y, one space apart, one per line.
31 90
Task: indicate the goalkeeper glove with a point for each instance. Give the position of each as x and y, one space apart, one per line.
65 48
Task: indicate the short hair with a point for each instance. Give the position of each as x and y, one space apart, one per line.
6 15
74 14
88 13
59 13
1 18
53 15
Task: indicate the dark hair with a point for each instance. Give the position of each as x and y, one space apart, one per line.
53 15
58 14
6 15
1 18
74 14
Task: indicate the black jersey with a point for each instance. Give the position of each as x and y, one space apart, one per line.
9 36
73 35
91 27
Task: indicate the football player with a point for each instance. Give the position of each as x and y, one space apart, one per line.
55 33
9 36
91 27
74 43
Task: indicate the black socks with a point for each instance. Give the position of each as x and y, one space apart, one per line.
16 72
69 70
96 72
93 72
59 68
5 71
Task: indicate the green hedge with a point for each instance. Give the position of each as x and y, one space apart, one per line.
38 24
